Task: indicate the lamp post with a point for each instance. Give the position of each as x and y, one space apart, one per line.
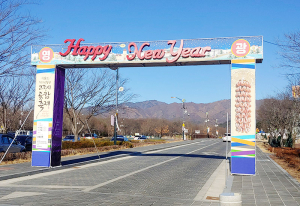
183 112
216 125
116 114
206 124
116 128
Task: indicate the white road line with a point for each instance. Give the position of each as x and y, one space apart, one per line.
48 186
45 174
20 194
141 170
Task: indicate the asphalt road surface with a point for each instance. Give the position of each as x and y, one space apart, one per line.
170 176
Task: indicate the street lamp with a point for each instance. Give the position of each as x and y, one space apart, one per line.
184 111
117 94
216 125
116 115
206 124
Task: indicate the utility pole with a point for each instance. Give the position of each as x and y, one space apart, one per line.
206 124
183 112
116 115
216 125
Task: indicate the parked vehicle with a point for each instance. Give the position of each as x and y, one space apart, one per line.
25 140
120 138
21 139
6 140
226 137
28 143
139 137
23 132
90 136
70 138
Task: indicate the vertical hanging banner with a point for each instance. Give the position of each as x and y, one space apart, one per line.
243 115
48 111
43 115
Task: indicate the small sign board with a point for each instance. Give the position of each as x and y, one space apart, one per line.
296 91
197 131
112 120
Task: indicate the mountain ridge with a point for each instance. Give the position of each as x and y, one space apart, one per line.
173 111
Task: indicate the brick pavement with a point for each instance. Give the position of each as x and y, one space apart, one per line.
270 186
174 177
176 182
24 169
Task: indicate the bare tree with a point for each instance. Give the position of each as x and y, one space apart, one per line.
89 92
279 115
15 93
162 127
148 126
290 52
18 31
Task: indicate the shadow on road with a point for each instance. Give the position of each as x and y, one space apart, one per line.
115 154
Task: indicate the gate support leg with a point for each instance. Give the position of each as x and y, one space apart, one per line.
243 121
48 116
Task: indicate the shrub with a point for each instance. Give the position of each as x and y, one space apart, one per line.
127 144
275 142
289 141
86 144
155 140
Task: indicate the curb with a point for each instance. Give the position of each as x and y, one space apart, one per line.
82 163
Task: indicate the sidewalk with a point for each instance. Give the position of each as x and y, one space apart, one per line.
270 186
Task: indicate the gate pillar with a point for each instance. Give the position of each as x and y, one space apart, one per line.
48 116
243 121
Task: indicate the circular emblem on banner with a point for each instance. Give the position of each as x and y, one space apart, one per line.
122 45
240 48
46 55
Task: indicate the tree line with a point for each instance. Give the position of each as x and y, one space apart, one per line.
279 115
147 126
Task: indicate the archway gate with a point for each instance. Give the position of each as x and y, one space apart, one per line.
51 61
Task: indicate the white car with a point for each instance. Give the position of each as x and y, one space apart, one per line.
139 137
226 137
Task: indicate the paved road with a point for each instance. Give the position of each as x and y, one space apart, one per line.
171 176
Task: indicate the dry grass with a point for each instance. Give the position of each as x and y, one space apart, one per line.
15 158
263 146
287 158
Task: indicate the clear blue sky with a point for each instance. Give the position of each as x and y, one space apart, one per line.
135 20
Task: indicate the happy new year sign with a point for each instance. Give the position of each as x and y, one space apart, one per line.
76 53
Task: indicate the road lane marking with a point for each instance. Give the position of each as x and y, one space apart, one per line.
20 194
141 170
48 186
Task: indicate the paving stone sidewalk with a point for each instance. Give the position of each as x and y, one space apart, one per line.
25 169
270 186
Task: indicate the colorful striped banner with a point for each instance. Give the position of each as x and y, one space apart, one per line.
243 116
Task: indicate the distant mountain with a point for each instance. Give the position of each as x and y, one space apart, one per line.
197 112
